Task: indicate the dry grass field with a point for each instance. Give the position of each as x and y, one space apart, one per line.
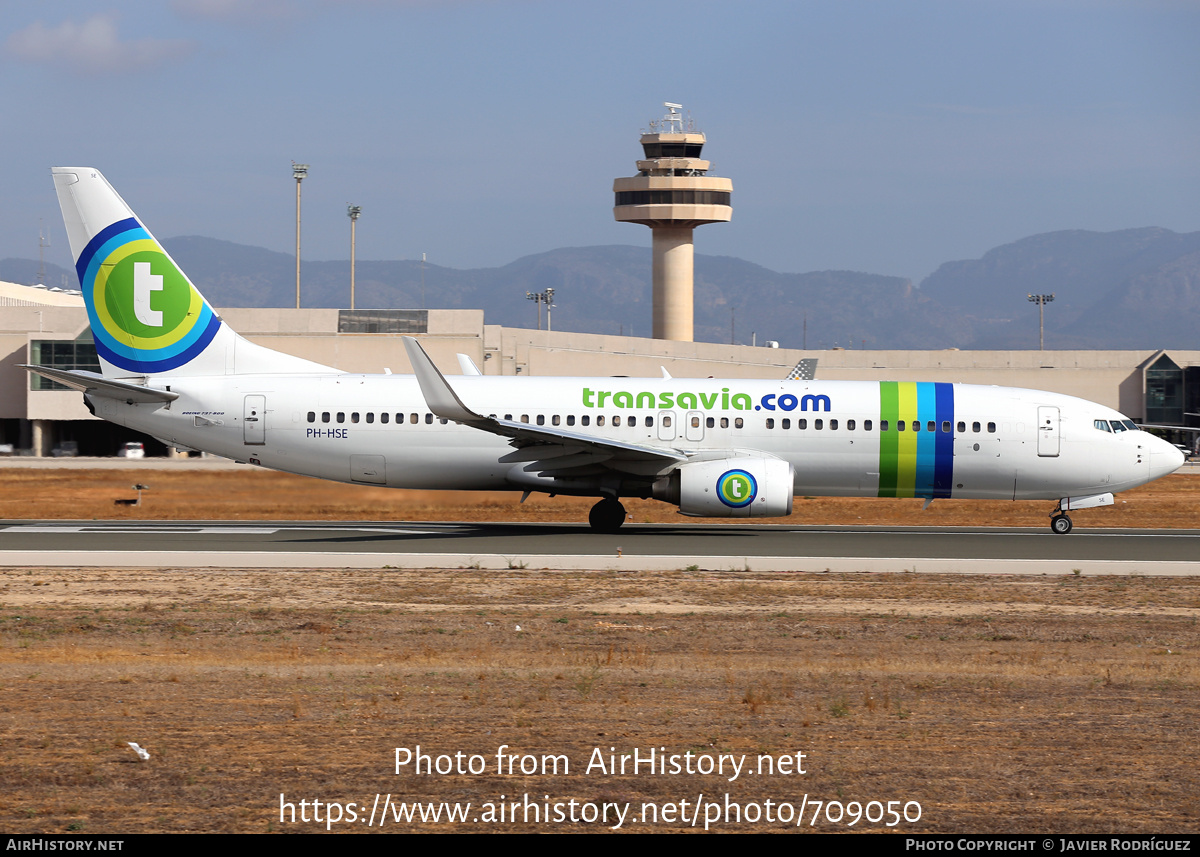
255 494
999 704
1063 704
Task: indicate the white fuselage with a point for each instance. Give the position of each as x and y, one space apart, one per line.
994 442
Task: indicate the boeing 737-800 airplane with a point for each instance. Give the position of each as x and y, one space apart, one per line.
173 369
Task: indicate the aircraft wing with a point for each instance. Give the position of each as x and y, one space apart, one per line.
97 385
549 449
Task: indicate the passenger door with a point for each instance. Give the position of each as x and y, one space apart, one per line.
1049 438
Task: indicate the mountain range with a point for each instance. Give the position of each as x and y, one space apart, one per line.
1135 288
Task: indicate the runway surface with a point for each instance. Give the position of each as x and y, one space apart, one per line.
637 547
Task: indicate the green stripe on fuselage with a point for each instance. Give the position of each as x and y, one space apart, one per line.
889 444
898 448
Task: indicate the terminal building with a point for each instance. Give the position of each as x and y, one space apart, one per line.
38 417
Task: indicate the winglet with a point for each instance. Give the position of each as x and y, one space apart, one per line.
467 365
439 395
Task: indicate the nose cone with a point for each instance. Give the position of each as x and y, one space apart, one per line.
1164 458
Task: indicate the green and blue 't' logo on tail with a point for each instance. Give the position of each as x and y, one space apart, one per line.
146 316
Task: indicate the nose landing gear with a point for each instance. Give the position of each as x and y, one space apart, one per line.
1061 524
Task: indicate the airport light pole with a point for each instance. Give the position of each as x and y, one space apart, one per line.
1041 301
299 173
352 211
547 298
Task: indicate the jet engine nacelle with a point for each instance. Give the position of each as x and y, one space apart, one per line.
732 488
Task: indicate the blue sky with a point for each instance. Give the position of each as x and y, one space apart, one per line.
885 137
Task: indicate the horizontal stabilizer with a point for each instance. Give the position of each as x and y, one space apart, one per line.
98 385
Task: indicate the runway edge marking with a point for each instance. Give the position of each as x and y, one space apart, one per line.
605 562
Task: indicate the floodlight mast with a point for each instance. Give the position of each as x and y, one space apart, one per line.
299 173
547 298
352 211
1041 301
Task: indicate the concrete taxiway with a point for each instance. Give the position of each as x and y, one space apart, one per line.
642 547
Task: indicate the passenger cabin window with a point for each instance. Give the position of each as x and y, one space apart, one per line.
312 416
371 417
883 425
429 419
570 419
600 420
833 425
867 425
724 421
976 427
991 428
770 423
962 427
354 417
802 424
341 416
785 424
849 425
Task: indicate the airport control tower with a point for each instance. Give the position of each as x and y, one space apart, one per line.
672 194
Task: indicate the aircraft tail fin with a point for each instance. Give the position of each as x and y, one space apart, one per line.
805 370
146 315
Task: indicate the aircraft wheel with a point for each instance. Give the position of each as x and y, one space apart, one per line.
607 516
1060 524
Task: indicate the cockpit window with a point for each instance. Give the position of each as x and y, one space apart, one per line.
1131 425
1117 426
1102 425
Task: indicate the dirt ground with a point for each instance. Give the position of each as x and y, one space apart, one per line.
1052 705
994 704
255 494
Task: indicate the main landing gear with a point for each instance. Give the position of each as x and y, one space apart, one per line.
607 515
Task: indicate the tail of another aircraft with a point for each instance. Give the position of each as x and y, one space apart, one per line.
146 316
